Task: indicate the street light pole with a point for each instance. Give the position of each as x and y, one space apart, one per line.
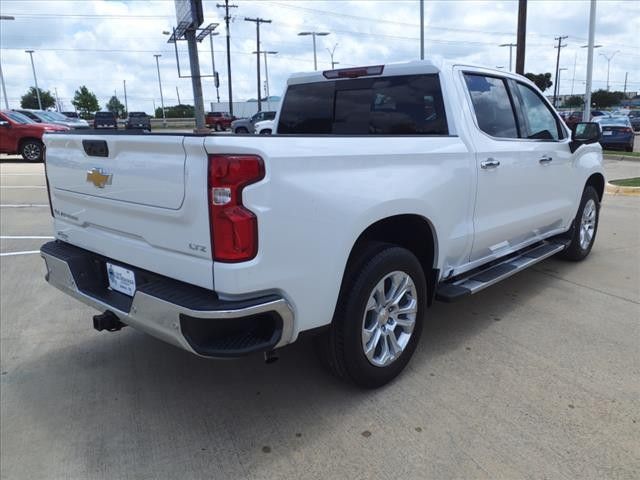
586 111
126 103
510 45
4 88
164 118
609 58
331 52
35 78
266 72
575 61
559 75
314 35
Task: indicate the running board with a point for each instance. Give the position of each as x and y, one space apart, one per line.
453 290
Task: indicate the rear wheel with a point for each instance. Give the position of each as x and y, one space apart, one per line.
242 130
585 226
32 150
266 131
378 319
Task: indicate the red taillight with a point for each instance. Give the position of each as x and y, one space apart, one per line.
234 228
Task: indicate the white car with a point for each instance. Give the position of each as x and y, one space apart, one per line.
383 189
265 127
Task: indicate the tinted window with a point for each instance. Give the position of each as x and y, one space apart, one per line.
308 108
492 105
105 115
18 117
540 123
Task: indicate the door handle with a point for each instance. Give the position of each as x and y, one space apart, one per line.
489 163
544 160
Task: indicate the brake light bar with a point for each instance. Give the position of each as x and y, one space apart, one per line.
354 72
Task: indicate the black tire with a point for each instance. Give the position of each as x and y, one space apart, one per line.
341 347
266 131
629 149
577 250
241 131
217 127
32 150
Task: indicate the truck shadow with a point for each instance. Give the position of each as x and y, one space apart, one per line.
130 396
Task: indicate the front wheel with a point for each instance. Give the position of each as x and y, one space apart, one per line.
378 319
585 226
32 150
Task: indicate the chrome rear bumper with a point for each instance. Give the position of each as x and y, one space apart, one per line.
180 314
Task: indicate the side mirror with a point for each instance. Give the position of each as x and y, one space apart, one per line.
585 133
5 124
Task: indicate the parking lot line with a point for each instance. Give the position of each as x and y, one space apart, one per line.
23 237
23 205
13 254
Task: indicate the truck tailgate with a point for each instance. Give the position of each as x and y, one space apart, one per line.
139 199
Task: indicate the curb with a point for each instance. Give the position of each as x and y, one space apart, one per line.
619 190
608 156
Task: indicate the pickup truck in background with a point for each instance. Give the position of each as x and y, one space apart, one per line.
382 189
219 121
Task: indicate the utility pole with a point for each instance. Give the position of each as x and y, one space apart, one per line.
510 45
126 104
227 17
421 31
258 21
586 111
314 35
609 58
521 37
216 81
560 46
164 118
559 77
35 78
331 52
58 100
178 94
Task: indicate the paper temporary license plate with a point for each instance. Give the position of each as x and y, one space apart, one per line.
607 133
121 279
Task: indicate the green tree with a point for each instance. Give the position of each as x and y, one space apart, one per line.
177 111
574 101
606 99
30 99
542 80
86 102
115 106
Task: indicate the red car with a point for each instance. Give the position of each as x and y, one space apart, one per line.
21 135
219 121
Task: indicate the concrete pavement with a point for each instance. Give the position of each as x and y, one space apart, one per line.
537 377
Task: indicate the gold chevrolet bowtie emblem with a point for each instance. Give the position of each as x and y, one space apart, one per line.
98 177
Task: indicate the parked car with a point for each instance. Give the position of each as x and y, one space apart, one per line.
616 133
45 116
634 118
139 120
246 125
219 121
265 127
21 135
388 187
71 114
105 120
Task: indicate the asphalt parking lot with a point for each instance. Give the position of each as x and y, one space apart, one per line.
537 377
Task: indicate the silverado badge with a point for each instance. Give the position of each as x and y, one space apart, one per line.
98 177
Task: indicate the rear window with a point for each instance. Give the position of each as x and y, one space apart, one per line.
105 115
137 114
399 105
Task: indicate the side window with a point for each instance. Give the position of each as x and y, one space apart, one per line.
492 105
540 122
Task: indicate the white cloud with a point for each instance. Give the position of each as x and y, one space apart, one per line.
101 43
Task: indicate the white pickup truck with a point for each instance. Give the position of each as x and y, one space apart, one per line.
382 189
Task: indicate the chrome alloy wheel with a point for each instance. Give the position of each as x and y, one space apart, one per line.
389 318
587 224
31 151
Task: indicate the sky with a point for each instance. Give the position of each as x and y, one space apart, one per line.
100 43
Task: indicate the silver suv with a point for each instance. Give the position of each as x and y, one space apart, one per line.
246 125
